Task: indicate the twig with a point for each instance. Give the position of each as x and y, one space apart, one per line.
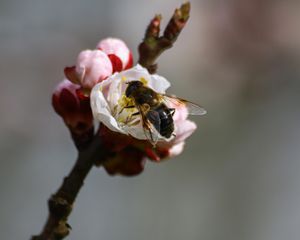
60 204
153 44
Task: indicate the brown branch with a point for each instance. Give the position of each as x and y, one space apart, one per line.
60 204
153 44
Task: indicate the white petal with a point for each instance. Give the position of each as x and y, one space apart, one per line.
101 110
115 90
159 83
156 82
136 131
135 73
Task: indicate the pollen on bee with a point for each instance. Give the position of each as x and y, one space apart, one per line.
125 101
124 110
144 80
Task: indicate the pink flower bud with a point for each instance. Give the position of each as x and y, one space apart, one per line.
91 68
118 53
75 110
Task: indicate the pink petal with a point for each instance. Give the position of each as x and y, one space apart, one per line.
75 112
183 130
93 67
117 47
176 149
181 113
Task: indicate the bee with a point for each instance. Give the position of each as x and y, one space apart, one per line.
156 116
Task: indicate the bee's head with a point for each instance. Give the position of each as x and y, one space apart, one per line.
133 86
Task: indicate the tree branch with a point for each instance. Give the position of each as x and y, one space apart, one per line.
60 204
153 44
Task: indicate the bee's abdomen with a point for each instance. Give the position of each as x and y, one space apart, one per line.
166 120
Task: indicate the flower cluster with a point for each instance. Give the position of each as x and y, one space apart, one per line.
71 97
93 66
94 89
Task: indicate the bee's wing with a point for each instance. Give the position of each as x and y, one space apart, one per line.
151 125
193 108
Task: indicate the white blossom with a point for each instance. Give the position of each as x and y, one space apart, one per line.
108 100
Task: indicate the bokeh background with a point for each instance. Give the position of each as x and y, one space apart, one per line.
238 178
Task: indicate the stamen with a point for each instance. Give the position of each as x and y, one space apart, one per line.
122 113
144 81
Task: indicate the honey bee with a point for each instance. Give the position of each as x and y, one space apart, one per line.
156 116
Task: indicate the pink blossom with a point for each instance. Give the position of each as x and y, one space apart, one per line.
92 67
75 111
118 53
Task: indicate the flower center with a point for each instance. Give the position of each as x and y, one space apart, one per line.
124 112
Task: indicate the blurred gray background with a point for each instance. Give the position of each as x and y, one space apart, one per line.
238 178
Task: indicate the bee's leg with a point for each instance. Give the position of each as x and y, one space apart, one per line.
129 119
126 107
135 114
173 134
172 111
